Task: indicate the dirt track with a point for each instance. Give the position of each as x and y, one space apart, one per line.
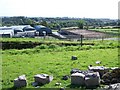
88 33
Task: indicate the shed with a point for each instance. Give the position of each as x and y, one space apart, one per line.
16 30
28 28
41 29
29 31
7 33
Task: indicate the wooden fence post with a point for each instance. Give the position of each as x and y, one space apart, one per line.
81 37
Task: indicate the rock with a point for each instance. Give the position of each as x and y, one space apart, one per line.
20 81
77 79
57 84
75 71
92 80
112 77
102 70
114 80
74 58
22 77
43 78
98 62
62 88
113 68
37 87
112 87
107 76
116 73
35 84
66 77
90 66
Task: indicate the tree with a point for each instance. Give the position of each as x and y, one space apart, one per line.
44 23
80 24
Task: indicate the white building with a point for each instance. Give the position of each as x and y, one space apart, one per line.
6 32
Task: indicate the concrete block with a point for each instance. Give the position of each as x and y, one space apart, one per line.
92 79
20 81
77 79
43 78
102 70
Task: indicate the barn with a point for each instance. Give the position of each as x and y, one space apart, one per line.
43 30
29 31
6 32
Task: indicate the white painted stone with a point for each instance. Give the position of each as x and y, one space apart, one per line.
101 69
77 79
20 81
98 62
43 78
92 79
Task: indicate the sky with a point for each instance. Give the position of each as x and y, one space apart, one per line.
60 8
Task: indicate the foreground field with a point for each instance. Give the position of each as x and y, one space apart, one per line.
54 61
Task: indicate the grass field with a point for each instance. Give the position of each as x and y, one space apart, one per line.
54 60
50 39
110 30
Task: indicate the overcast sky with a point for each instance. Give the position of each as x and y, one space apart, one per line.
60 8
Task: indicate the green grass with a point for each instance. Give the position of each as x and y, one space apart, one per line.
52 60
29 39
110 30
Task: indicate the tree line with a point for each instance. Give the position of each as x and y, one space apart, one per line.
58 22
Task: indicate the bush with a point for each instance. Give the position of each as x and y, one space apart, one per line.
71 48
86 47
42 46
53 46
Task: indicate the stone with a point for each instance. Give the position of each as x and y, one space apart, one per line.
62 88
37 87
114 80
92 79
20 81
107 76
114 68
77 79
116 73
74 57
66 77
57 84
112 87
43 78
112 77
35 84
98 62
102 70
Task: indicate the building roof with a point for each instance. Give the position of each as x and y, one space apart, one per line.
28 28
6 31
37 27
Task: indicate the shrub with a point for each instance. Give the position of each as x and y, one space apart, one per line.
86 47
42 46
71 48
53 46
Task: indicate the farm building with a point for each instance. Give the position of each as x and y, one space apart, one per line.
25 31
6 32
29 31
42 30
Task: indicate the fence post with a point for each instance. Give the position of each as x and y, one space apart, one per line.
102 38
81 40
